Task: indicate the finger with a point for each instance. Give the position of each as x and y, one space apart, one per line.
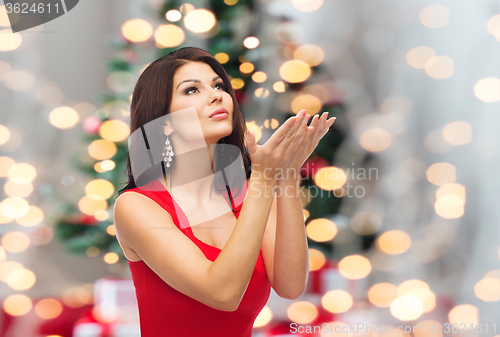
299 137
279 135
318 127
291 134
251 143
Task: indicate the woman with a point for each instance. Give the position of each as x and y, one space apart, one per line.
191 281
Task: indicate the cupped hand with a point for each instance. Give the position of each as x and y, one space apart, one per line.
308 142
275 155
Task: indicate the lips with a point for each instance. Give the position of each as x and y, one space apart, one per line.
218 111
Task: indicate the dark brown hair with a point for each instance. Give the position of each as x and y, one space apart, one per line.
152 98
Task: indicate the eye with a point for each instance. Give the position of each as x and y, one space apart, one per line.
220 84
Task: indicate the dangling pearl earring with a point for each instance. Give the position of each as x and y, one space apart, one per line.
167 153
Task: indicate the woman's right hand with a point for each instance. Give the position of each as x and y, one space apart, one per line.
272 158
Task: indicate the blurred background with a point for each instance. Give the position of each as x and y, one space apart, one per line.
400 198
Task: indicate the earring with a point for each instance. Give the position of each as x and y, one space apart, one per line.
167 153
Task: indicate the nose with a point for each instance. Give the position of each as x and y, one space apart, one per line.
215 96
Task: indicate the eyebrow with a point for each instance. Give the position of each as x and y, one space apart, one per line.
197 81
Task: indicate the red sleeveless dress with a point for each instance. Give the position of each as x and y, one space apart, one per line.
164 311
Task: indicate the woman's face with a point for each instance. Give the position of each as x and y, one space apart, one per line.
197 85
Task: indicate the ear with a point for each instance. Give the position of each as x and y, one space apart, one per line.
167 129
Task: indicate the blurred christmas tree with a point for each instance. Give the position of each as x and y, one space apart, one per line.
232 38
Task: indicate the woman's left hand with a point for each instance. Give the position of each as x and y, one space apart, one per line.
305 146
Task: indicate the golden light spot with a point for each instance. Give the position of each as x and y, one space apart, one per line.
21 173
76 297
251 42
307 6
185 8
33 217
259 77
114 130
488 289
263 318
355 267
5 164
321 230
90 206
406 308
375 140
169 36
17 304
246 67
111 230
6 268
406 287
4 134
21 279
101 149
137 30
98 168
418 56
222 57
237 83
4 18
447 212
295 71
382 294
9 41
173 15
200 20
464 314
458 133
101 215
14 207
366 223
99 189
15 242
230 2
3 255
330 178
255 129
302 312
439 67
19 79
92 251
393 242
108 165
316 259
271 123
306 101
111 258
64 117
337 301
493 24
488 89
451 195
306 214
261 92
435 16
279 86
48 308
441 173
310 54
13 189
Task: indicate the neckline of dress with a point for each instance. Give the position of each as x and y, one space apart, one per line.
190 229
